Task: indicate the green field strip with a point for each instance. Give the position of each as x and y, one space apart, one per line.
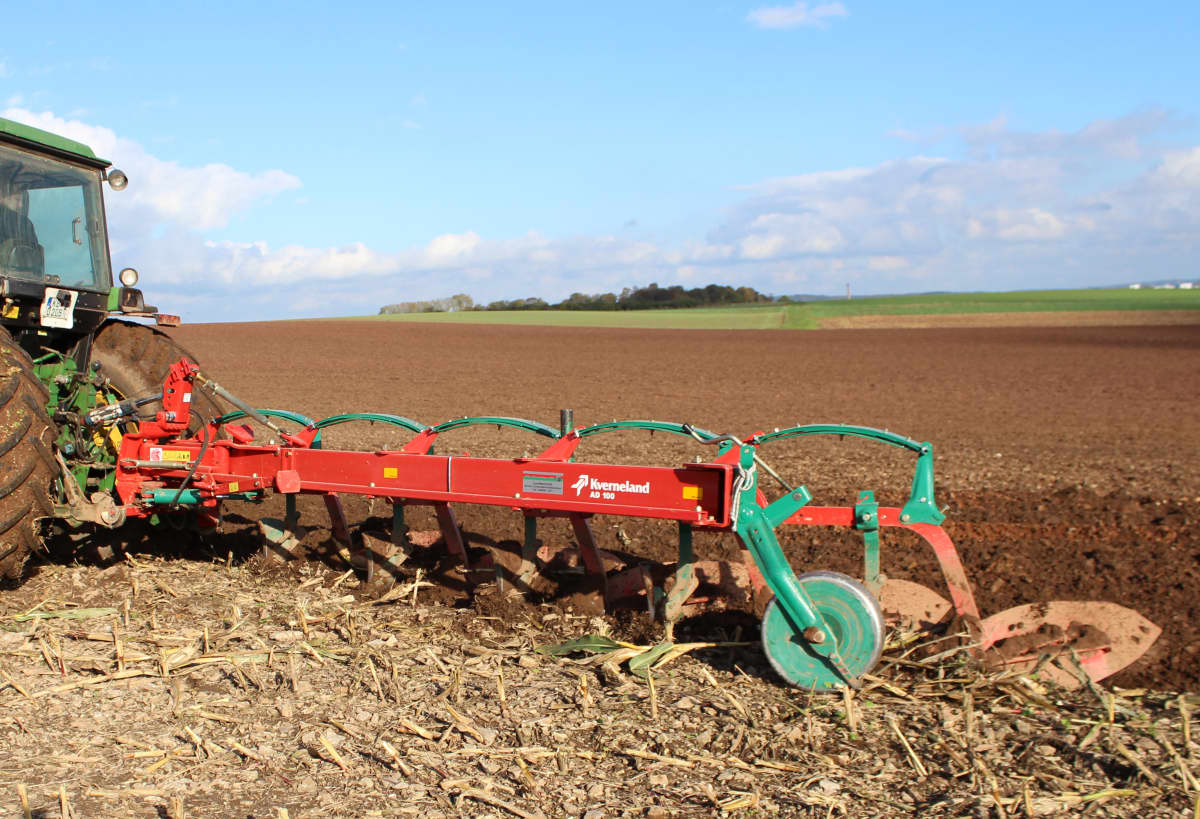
808 315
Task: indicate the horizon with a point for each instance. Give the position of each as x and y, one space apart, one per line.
1043 302
790 147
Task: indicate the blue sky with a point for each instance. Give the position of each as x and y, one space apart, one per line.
313 159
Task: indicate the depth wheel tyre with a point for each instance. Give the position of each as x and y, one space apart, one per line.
27 465
854 617
136 358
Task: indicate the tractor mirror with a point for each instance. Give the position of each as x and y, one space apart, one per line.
117 180
131 300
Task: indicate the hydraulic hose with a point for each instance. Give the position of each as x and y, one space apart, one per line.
217 389
720 439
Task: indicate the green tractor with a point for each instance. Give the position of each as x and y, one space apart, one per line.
67 344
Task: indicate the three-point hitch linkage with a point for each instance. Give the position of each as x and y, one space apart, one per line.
821 630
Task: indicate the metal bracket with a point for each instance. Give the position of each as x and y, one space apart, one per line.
100 508
866 520
685 581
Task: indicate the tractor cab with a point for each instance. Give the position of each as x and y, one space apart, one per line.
52 222
56 282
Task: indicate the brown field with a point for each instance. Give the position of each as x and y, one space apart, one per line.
1067 458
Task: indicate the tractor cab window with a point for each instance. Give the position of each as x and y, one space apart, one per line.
51 222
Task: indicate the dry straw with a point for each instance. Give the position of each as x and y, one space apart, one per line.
249 681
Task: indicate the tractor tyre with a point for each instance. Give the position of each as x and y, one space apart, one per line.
27 465
136 358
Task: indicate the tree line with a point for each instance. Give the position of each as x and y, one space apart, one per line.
650 297
449 304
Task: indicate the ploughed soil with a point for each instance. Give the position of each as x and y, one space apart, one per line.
193 677
1068 458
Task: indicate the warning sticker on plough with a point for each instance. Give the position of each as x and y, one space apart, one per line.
160 454
543 483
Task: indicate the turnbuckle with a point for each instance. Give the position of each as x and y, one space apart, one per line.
216 389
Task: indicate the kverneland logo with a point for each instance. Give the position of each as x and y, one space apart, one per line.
596 486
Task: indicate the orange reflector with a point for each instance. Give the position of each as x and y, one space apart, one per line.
391 472
692 493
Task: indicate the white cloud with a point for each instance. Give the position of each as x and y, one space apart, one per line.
1118 138
777 234
256 263
1011 213
200 197
1179 169
1030 224
451 246
796 15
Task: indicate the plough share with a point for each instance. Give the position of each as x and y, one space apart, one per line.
820 630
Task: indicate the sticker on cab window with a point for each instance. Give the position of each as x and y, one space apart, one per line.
58 308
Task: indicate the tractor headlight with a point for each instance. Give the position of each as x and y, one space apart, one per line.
117 180
129 277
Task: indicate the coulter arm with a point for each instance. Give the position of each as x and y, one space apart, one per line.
911 603
821 630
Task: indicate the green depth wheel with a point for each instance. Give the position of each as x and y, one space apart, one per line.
852 614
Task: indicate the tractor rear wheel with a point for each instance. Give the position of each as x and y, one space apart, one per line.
136 358
27 465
